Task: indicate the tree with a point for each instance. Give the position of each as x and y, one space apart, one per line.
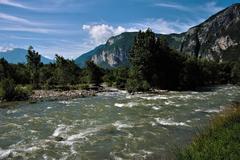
94 73
67 72
6 70
143 54
34 63
235 74
191 77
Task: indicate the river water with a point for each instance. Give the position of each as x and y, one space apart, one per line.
112 125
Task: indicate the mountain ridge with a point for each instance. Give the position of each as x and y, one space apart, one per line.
18 55
210 39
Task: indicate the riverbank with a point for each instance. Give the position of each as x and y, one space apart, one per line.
221 140
51 95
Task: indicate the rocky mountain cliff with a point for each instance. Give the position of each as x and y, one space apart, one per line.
116 50
218 38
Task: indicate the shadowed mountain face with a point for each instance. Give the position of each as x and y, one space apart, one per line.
218 38
18 55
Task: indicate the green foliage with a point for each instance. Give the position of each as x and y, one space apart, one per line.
7 89
136 82
220 141
34 62
94 73
21 74
134 85
6 70
154 62
117 77
10 92
22 92
235 73
161 67
83 86
191 76
66 72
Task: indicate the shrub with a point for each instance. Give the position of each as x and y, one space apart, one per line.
134 85
10 92
22 92
7 89
83 86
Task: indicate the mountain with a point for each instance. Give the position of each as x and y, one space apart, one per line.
18 55
218 38
87 56
116 50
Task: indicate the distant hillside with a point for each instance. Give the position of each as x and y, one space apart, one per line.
116 50
218 38
18 55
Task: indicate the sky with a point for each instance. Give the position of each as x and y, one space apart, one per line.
73 27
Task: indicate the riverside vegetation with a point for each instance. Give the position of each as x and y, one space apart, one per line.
221 140
153 65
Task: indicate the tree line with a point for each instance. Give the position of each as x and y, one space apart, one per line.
152 65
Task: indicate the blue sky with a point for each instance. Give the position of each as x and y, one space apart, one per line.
73 27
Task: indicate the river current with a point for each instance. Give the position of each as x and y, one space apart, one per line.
112 125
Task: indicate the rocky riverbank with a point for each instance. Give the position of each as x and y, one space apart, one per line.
51 95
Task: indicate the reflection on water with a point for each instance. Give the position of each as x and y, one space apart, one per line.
112 125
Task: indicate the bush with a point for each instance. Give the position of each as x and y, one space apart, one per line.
22 92
10 92
83 86
7 89
235 75
134 85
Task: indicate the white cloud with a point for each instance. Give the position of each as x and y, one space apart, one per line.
15 19
15 23
211 7
99 33
172 5
14 4
161 26
6 47
27 29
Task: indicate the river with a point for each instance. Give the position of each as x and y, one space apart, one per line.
113 125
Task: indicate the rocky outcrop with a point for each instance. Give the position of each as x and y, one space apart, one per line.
115 52
111 58
217 36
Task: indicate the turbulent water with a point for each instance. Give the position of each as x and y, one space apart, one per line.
112 125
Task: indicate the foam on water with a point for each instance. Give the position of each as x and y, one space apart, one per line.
119 125
169 102
5 153
91 128
156 108
169 122
60 130
156 97
129 105
12 111
212 110
84 133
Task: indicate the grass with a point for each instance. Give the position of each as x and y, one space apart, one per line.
220 141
